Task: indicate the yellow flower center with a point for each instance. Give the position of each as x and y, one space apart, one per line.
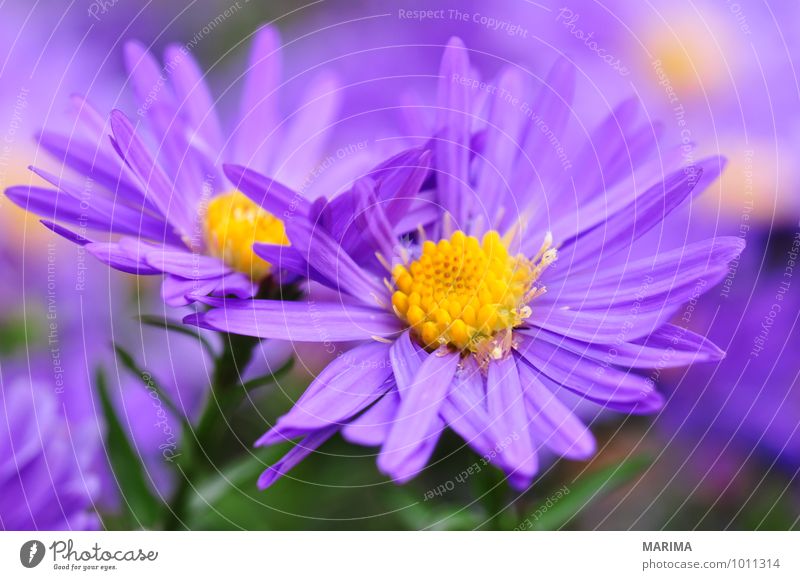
468 294
233 223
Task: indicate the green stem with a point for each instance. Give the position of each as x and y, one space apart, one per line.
491 490
225 394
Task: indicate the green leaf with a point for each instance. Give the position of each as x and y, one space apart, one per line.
19 332
147 379
233 484
563 505
231 479
416 514
771 508
142 506
148 382
176 326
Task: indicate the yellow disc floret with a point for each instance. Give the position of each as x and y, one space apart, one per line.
468 294
233 223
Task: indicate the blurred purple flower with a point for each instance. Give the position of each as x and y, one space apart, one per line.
71 309
722 75
749 404
42 486
174 211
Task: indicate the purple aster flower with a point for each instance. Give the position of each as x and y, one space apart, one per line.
71 309
170 210
41 484
516 286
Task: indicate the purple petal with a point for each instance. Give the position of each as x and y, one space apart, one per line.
176 291
592 379
417 217
55 206
186 264
539 170
287 258
599 326
328 258
119 259
234 284
193 96
682 342
507 411
400 180
408 447
408 204
552 422
465 411
453 144
309 128
406 358
650 404
185 162
110 215
274 197
668 278
370 230
145 74
669 346
258 111
175 207
553 105
372 426
65 233
622 228
502 138
607 153
348 385
297 321
158 110
90 120
89 161
295 456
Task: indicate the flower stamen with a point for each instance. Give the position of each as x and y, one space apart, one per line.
468 294
233 223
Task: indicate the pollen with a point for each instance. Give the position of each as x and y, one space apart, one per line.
467 293
233 223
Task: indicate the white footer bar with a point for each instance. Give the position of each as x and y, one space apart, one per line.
406 555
